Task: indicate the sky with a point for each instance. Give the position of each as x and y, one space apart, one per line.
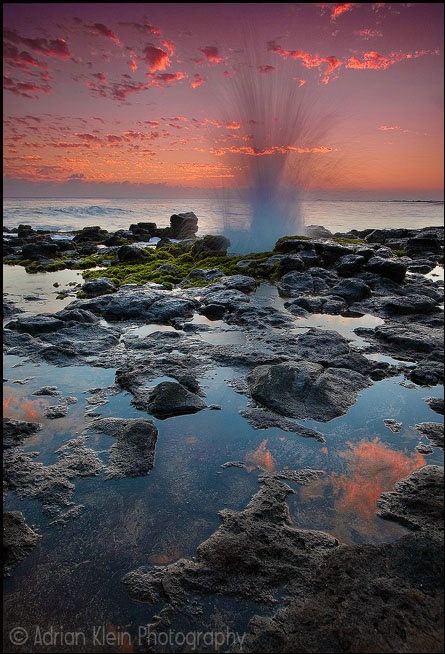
342 100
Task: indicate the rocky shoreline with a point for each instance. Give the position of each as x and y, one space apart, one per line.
323 596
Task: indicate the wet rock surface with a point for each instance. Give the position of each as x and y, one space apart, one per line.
336 597
18 540
309 592
133 453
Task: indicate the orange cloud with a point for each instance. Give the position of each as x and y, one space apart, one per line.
22 408
156 58
260 458
272 150
326 65
162 79
212 54
340 8
169 46
374 60
197 81
374 468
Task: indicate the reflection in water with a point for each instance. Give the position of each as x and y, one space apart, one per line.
260 458
372 468
172 553
21 408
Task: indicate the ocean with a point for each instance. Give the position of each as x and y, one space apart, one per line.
214 216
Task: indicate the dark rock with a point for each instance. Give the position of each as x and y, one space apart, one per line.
24 231
183 225
169 399
51 484
210 245
252 553
15 431
208 275
18 540
315 281
121 237
392 268
39 250
349 264
98 286
132 254
436 404
144 229
305 389
417 501
133 453
264 419
422 244
93 233
433 431
351 290
41 324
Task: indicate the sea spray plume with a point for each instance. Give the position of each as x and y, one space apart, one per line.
279 132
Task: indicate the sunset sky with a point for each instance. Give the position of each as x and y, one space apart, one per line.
152 99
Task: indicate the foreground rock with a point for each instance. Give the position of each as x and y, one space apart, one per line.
133 453
18 540
53 484
305 389
337 598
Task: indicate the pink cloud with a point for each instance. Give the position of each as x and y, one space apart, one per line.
376 61
22 60
101 77
122 91
272 150
25 89
163 79
103 30
144 28
89 138
170 47
326 65
212 54
340 8
49 48
197 81
156 58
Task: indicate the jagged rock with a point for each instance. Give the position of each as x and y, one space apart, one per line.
169 399
305 389
15 431
210 244
98 286
183 225
18 540
132 254
133 453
